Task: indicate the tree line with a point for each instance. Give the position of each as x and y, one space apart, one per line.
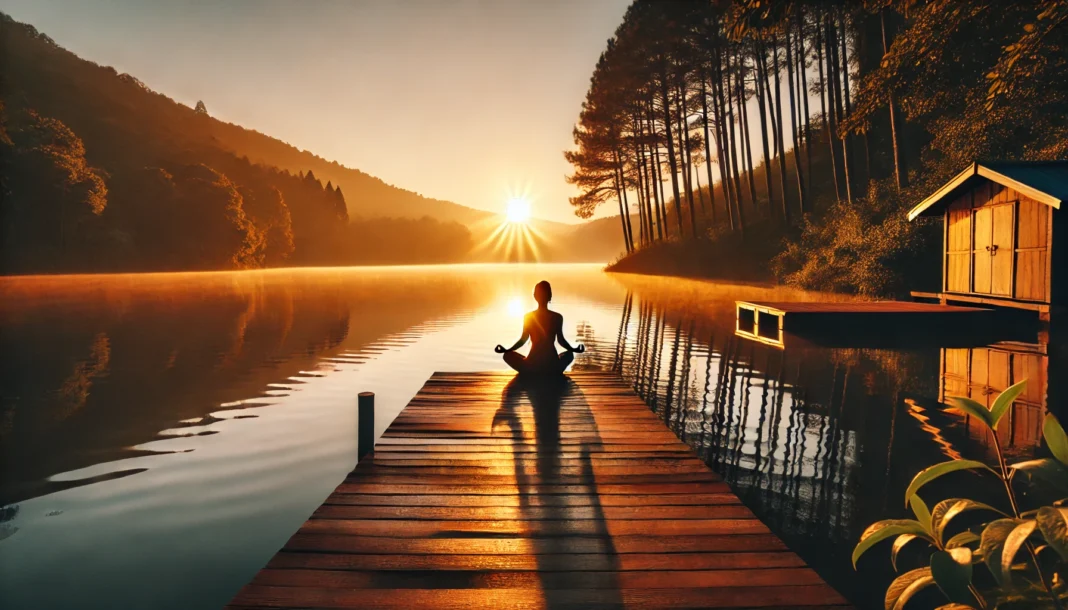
99 173
808 109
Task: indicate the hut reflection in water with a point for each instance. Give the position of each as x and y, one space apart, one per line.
821 441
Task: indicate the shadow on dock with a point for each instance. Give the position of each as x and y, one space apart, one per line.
549 401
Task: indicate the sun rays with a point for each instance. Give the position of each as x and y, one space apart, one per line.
514 238
513 242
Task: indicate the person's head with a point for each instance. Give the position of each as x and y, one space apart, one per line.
543 293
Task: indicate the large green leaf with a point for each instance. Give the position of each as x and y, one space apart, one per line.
973 408
1051 522
1047 472
1055 438
923 515
961 539
1004 401
882 530
945 510
952 572
993 540
905 586
931 473
899 543
1013 542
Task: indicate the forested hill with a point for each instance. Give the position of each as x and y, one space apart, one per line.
367 195
825 122
99 173
60 77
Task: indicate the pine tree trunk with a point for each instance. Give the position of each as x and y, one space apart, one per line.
764 131
793 125
639 174
661 213
684 154
731 148
829 113
802 68
747 144
641 205
765 82
622 211
836 81
654 177
658 168
708 150
728 94
626 204
670 145
700 195
723 144
779 123
896 136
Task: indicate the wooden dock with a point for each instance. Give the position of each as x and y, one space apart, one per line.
768 321
484 493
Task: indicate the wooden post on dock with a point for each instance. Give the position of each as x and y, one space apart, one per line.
365 427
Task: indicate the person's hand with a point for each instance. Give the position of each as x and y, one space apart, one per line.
580 348
499 349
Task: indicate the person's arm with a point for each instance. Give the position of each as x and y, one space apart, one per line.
518 344
522 341
563 342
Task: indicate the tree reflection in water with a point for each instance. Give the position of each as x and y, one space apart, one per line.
819 442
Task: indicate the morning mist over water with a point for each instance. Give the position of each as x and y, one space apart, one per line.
182 414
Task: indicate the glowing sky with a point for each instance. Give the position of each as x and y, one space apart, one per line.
466 101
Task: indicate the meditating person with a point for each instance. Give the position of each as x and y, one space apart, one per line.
544 328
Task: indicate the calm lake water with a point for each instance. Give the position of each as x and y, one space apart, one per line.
163 435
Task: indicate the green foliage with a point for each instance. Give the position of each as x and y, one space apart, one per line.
862 248
976 80
51 199
1025 552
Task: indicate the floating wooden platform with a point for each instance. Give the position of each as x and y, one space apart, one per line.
768 321
484 493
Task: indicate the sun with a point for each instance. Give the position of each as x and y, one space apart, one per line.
518 210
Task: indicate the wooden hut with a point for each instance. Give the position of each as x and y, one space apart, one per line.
1003 242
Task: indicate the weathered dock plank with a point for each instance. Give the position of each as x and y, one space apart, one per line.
487 493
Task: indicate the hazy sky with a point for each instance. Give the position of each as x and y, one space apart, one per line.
460 100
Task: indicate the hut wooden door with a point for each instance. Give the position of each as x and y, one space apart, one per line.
959 251
993 249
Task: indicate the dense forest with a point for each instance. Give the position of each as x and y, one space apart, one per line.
99 173
790 137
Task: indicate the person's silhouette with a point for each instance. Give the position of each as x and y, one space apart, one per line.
544 328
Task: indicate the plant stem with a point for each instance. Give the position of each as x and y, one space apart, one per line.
1005 475
1005 479
978 598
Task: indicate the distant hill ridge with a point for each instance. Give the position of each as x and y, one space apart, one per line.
367 195
56 69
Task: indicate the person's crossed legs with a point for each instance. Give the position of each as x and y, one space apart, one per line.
520 363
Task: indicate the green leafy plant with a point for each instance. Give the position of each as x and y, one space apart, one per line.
1023 551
